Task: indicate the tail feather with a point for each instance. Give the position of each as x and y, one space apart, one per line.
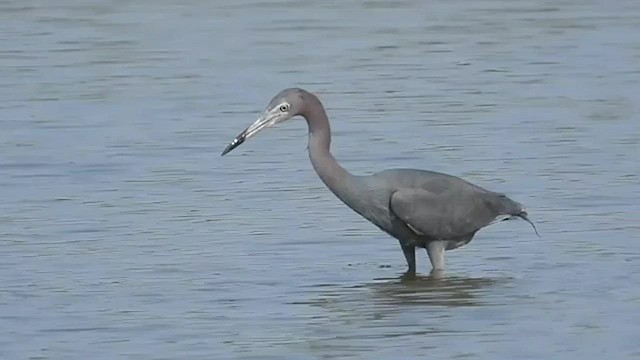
524 216
513 209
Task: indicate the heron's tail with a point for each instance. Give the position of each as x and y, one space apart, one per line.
524 216
513 209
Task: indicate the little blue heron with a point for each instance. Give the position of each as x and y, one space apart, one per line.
420 208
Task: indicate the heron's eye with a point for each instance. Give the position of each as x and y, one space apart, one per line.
284 107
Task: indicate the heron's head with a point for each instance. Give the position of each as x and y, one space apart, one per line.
287 104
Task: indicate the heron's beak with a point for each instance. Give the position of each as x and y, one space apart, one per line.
266 120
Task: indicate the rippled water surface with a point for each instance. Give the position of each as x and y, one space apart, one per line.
124 234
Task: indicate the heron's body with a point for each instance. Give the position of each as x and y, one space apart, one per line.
422 209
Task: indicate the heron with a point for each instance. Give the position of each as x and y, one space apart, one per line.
420 208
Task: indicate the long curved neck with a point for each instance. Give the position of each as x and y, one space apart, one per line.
335 177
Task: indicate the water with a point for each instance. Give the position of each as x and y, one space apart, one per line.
124 234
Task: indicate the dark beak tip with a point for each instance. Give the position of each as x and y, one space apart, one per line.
226 150
234 144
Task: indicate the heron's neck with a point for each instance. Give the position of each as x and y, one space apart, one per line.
332 174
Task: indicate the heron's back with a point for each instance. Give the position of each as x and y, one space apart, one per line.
432 181
459 198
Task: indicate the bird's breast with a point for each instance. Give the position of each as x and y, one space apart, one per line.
373 205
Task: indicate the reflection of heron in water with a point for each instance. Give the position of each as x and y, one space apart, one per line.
395 309
383 295
449 291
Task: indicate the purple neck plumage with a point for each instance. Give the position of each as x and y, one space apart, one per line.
331 173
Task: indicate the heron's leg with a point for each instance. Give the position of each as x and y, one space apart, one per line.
435 249
409 252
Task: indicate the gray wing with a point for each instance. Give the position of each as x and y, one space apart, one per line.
444 215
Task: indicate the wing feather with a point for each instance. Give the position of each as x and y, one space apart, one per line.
445 215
